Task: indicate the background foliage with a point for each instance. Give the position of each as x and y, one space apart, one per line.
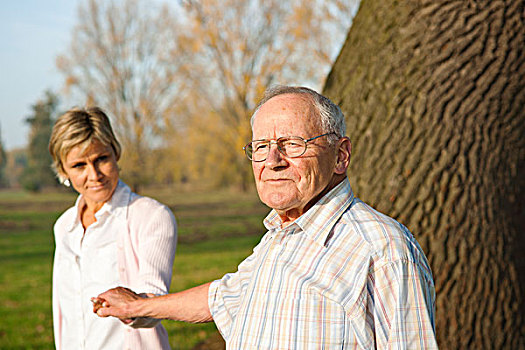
184 79
37 173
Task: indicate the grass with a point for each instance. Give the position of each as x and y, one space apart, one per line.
217 230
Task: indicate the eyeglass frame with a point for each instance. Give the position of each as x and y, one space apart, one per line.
276 141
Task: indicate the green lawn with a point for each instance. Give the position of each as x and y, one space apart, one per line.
217 230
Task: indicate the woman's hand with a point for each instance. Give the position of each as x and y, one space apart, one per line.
97 304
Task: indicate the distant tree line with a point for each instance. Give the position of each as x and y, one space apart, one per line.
3 163
37 173
30 167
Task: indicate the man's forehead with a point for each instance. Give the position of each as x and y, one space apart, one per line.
291 102
287 109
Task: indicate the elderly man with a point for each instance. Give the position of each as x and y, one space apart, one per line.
331 272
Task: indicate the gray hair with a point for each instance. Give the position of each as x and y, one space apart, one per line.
331 117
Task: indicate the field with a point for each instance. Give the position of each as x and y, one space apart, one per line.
217 230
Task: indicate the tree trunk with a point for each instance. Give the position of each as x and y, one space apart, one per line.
434 96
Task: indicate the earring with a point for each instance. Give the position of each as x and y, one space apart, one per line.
67 183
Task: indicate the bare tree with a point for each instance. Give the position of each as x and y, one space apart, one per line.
189 76
118 59
233 50
434 93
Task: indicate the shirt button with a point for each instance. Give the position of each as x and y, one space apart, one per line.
77 259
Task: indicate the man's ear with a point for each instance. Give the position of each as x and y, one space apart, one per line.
344 153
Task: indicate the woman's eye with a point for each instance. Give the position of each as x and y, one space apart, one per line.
78 165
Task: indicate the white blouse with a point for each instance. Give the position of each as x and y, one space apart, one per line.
132 244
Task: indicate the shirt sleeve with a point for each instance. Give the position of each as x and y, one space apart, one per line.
58 230
57 314
155 251
401 305
225 295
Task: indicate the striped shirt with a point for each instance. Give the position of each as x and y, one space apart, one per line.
342 276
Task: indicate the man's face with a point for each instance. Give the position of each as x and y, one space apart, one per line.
292 185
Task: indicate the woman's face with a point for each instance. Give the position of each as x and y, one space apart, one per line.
93 172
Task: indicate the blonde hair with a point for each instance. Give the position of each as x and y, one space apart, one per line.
80 127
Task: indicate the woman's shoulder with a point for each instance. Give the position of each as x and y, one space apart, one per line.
135 202
66 220
142 209
138 202
147 207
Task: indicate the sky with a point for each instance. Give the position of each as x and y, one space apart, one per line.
32 34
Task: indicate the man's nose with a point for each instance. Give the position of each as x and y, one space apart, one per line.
275 158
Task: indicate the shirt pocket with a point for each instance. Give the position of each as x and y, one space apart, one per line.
101 266
324 320
66 273
306 320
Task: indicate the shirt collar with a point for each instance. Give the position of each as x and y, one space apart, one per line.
117 205
319 220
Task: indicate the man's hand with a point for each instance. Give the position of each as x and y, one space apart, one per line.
190 305
116 302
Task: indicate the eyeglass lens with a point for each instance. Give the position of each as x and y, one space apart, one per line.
288 146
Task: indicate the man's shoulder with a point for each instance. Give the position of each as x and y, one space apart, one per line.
384 237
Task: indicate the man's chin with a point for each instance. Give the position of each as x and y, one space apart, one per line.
280 202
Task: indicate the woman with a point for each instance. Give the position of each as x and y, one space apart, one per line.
111 237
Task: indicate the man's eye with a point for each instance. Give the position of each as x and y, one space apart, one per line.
292 143
78 165
260 147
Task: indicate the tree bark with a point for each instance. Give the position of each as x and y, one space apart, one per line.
434 96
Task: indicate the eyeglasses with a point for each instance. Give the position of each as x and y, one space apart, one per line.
289 146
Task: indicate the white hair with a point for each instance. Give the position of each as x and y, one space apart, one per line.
331 117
